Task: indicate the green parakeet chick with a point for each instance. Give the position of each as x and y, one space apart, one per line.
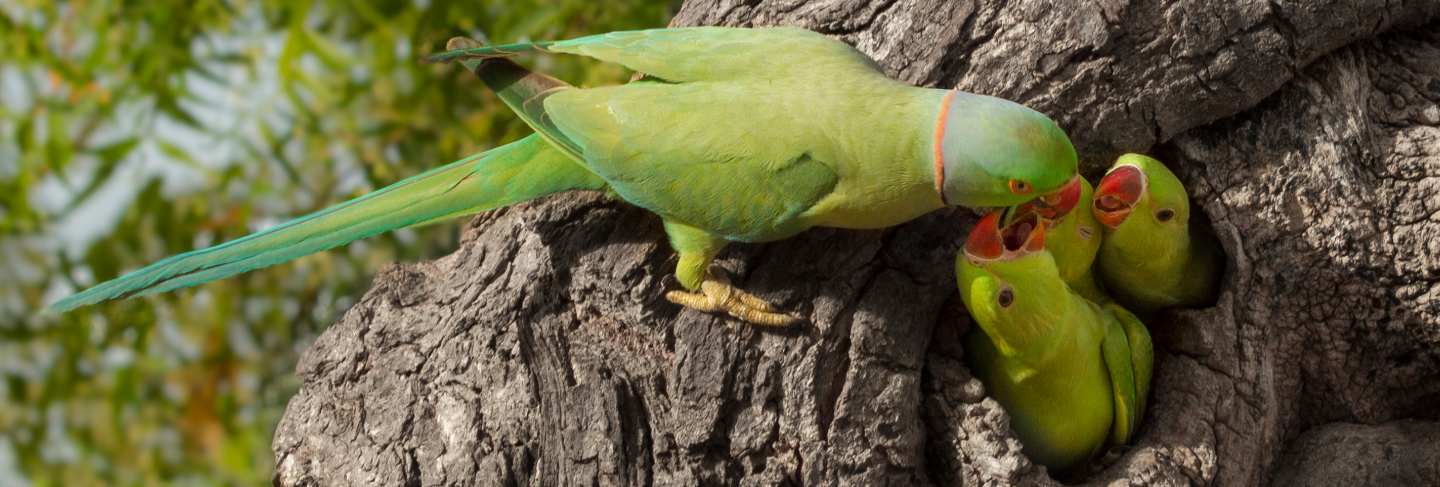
1151 256
1072 236
1072 374
746 135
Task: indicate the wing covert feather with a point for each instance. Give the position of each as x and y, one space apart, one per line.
715 157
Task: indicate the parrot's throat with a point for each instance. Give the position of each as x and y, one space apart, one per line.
940 145
1016 234
1019 238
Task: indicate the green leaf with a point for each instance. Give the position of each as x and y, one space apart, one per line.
170 105
176 154
329 53
110 157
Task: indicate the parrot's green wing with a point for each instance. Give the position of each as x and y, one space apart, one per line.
672 149
1142 353
1116 351
700 53
677 150
1129 358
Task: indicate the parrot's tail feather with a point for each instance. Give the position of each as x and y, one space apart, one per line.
510 174
525 91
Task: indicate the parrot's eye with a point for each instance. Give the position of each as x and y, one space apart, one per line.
1019 187
1006 297
1164 214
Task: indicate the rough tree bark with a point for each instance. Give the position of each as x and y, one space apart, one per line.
542 353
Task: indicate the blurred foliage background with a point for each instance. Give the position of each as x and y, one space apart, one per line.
133 130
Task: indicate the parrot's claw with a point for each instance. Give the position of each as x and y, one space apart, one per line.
718 295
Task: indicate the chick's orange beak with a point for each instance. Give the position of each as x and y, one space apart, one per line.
988 241
1116 195
984 242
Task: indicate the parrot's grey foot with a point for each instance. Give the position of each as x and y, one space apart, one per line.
718 295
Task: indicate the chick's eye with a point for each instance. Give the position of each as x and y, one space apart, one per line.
1019 187
1006 297
1164 214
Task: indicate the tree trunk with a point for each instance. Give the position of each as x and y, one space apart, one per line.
541 352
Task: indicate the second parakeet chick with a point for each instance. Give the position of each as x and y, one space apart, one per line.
1072 235
1073 375
1152 256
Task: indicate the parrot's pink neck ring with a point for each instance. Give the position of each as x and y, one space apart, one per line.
939 148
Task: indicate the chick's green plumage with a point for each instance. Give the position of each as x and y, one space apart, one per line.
1073 375
1152 256
735 135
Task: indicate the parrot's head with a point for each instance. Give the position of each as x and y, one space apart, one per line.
991 152
1009 282
1139 192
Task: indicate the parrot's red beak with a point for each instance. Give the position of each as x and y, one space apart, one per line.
1116 195
1055 205
990 242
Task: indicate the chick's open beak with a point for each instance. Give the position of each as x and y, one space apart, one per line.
989 241
1024 235
1117 194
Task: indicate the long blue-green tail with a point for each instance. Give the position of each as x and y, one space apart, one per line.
519 171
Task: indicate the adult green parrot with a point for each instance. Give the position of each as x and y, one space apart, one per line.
1072 374
1072 236
747 135
1151 256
